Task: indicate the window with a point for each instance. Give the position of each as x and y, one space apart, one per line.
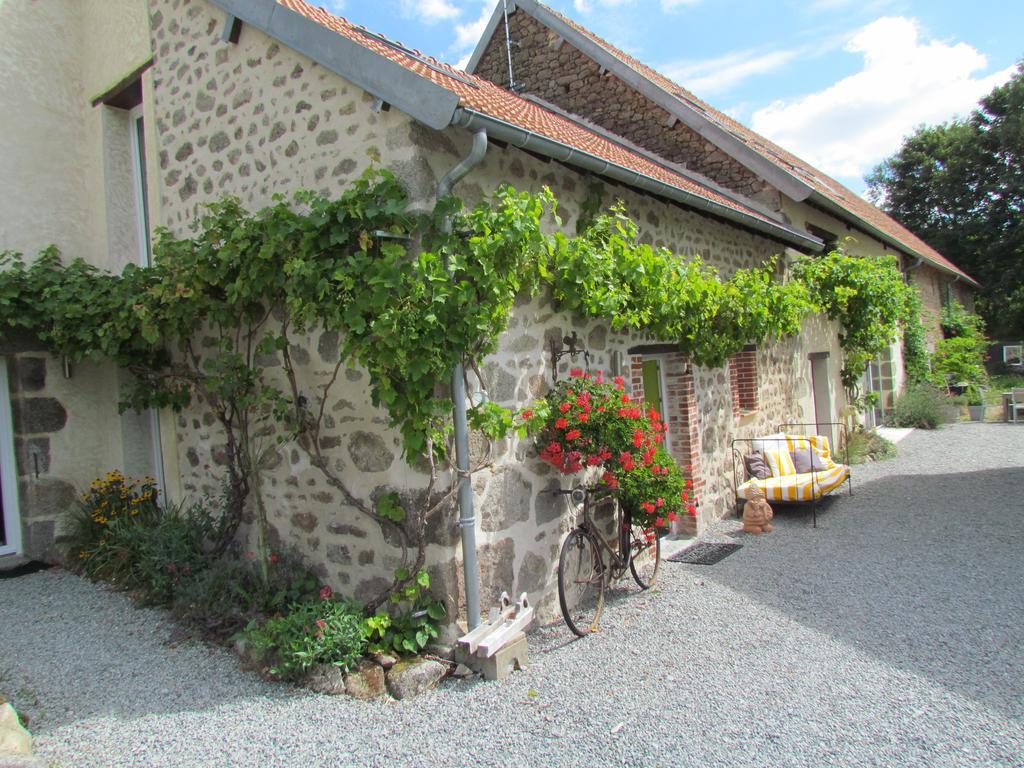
743 381
128 228
1013 354
137 134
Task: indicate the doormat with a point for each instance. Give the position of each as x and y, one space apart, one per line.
705 553
32 566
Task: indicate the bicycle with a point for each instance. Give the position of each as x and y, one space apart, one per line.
583 574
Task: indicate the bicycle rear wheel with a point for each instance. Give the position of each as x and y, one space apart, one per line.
644 554
581 582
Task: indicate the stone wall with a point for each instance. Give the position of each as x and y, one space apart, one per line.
62 437
548 67
931 284
255 119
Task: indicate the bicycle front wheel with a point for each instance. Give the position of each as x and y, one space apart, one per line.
644 554
581 582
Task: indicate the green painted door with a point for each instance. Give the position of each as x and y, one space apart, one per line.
652 386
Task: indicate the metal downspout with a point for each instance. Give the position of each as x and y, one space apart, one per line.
919 260
467 520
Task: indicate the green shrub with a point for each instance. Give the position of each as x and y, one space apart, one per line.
223 598
958 322
120 533
960 360
110 501
865 445
323 632
412 621
920 405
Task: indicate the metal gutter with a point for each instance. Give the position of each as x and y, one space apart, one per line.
886 239
467 519
415 95
785 182
525 139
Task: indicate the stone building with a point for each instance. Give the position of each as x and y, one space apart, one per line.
154 108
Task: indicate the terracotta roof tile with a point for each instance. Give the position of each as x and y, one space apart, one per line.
819 181
484 96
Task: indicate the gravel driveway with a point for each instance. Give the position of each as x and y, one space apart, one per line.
893 634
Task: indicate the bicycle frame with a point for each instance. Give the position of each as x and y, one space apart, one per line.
619 555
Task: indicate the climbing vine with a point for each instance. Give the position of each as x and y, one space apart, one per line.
916 360
408 300
608 273
869 298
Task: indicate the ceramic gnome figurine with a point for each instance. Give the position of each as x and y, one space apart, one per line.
757 514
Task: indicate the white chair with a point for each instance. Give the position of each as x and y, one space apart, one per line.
1016 404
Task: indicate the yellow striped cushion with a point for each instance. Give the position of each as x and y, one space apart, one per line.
796 442
780 461
803 487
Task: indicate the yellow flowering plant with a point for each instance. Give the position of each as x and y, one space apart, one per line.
109 501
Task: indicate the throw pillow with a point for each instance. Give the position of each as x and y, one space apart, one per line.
780 462
807 460
756 467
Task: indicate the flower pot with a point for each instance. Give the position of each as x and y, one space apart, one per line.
977 412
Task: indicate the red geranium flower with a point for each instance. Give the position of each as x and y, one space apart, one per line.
576 373
619 382
326 593
572 434
584 417
561 424
527 414
564 407
659 522
626 460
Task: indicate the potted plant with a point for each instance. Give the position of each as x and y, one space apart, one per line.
975 403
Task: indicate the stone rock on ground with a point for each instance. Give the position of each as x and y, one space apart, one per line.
14 739
411 678
326 678
366 681
22 761
386 660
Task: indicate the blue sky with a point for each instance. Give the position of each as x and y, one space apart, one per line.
838 82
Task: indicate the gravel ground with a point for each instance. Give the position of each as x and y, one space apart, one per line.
889 635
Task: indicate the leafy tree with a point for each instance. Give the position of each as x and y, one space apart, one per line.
960 187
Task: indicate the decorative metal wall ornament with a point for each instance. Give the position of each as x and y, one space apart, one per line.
570 345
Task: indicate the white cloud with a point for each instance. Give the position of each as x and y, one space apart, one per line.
719 74
668 6
586 6
430 11
468 35
905 81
